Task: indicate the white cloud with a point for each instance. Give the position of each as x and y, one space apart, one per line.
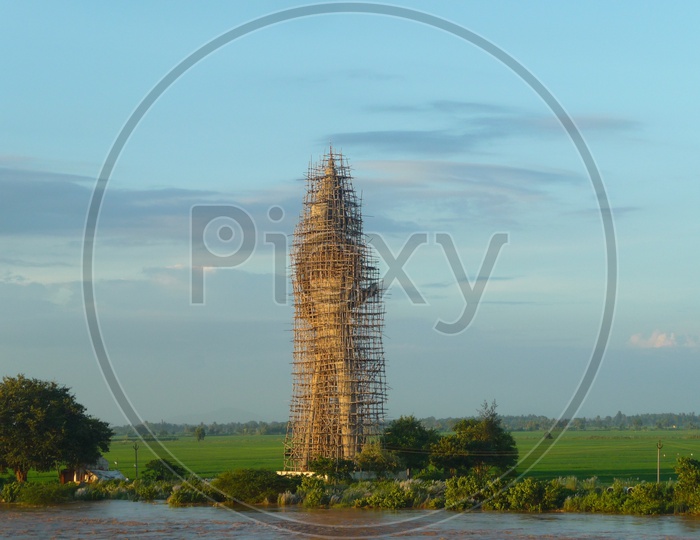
662 340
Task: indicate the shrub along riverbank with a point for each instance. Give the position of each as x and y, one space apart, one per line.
256 486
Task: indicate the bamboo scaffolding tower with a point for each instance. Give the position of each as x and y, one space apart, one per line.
339 385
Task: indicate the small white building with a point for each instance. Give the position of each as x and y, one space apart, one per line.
95 472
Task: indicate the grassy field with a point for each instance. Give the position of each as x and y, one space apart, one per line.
605 454
611 454
208 457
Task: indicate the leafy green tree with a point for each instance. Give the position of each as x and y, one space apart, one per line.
451 453
477 445
163 469
686 493
200 433
410 441
86 438
42 426
336 470
376 459
252 485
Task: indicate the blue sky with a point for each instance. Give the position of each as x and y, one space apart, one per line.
442 138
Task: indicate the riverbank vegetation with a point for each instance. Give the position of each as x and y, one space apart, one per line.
474 491
467 469
463 465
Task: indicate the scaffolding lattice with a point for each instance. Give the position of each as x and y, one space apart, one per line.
339 387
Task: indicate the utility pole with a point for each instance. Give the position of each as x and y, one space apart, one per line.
136 459
659 446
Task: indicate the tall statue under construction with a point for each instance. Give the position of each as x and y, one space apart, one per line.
339 379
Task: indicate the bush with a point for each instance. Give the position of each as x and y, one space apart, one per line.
497 493
117 489
643 498
288 498
590 484
424 493
10 492
335 470
591 497
163 469
527 495
355 492
5 480
612 499
147 492
138 490
464 492
194 491
85 493
43 494
557 491
686 492
185 494
649 499
387 495
313 492
253 486
430 473
569 483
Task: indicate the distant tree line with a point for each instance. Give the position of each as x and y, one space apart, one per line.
530 422
165 430
533 422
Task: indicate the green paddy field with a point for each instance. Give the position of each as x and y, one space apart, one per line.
611 454
605 454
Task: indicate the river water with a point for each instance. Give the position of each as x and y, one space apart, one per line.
125 519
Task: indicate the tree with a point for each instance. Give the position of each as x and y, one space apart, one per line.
42 426
410 441
335 470
376 459
451 453
253 486
686 492
163 469
200 433
477 444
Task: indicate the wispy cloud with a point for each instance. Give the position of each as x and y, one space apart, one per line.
33 201
446 191
25 263
47 203
592 123
466 126
491 113
431 172
618 212
443 106
51 204
447 284
421 142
